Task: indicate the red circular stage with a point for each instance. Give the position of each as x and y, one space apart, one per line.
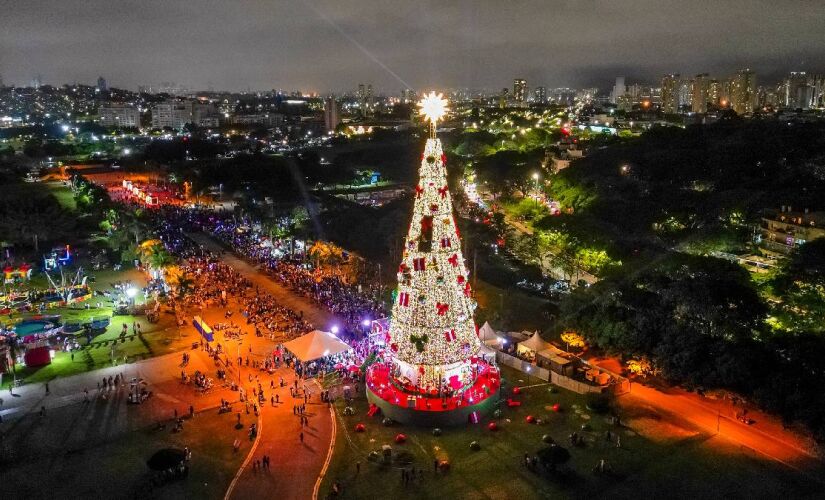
454 406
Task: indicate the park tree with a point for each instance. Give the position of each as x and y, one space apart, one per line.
801 286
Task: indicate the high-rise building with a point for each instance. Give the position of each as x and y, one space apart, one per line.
541 95
701 93
331 119
119 115
102 85
799 90
519 89
619 89
743 92
714 92
670 93
407 96
365 99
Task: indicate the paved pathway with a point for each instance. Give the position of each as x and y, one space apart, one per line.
295 465
318 316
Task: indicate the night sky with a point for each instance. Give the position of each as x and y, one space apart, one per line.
313 45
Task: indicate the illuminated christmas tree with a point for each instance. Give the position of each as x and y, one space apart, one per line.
432 334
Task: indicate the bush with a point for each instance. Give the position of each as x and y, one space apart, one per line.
598 402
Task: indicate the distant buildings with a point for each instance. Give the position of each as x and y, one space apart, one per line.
366 100
102 86
176 114
783 230
119 115
802 91
670 93
331 114
619 90
519 90
540 95
700 93
743 92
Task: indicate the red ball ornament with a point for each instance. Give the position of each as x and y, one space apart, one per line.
492 426
400 438
421 370
530 419
516 390
360 428
556 407
394 347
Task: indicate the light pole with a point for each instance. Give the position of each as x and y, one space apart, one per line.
536 178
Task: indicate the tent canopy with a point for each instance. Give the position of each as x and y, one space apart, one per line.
534 344
486 333
315 345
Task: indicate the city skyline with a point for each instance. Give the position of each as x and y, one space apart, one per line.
252 45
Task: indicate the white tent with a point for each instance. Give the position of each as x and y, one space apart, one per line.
487 335
534 344
315 345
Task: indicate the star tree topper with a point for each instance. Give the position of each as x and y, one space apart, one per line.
433 107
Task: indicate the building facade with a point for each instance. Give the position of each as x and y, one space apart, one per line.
119 115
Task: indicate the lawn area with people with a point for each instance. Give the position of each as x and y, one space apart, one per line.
644 453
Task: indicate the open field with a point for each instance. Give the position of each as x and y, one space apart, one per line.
100 449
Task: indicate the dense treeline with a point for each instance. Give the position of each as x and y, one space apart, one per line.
662 203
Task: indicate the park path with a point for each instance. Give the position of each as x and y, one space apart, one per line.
161 374
318 316
295 465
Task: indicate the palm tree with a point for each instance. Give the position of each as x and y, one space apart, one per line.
183 285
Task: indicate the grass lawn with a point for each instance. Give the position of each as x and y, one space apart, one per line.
654 458
63 194
72 453
509 309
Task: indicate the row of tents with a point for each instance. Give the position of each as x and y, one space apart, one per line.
529 344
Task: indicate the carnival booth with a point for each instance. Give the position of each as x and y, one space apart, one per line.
17 274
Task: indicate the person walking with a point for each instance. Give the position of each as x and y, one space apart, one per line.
302 436
47 388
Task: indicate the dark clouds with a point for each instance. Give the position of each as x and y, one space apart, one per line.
262 44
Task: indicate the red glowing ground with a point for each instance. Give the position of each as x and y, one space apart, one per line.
487 384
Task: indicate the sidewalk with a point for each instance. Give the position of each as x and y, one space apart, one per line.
294 466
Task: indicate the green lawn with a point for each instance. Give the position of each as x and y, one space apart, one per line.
510 308
63 194
666 461
89 458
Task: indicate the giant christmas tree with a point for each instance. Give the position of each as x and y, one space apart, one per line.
432 334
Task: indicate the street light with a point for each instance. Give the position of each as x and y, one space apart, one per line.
536 178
